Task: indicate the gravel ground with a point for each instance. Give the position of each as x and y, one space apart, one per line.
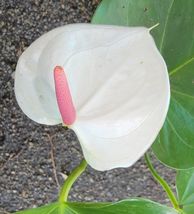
27 175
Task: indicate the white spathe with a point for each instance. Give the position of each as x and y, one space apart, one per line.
119 85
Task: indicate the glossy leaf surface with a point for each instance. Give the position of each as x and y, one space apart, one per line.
175 40
185 189
131 206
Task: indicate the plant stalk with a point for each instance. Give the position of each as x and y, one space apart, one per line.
163 183
70 181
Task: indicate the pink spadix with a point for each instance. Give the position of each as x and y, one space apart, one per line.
63 95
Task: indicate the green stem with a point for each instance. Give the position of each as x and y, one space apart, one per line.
163 183
70 181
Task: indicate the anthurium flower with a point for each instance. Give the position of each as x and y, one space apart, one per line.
107 83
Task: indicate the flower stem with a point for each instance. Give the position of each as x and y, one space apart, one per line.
163 183
70 181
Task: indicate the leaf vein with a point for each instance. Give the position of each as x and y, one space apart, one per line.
75 212
181 66
173 128
51 210
165 26
181 93
183 109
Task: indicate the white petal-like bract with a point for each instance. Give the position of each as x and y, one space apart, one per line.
119 85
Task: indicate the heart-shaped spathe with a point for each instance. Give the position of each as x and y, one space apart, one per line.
119 85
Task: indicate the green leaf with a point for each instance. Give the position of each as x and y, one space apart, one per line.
185 189
189 209
174 37
131 206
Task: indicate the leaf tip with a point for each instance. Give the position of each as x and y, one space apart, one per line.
154 26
